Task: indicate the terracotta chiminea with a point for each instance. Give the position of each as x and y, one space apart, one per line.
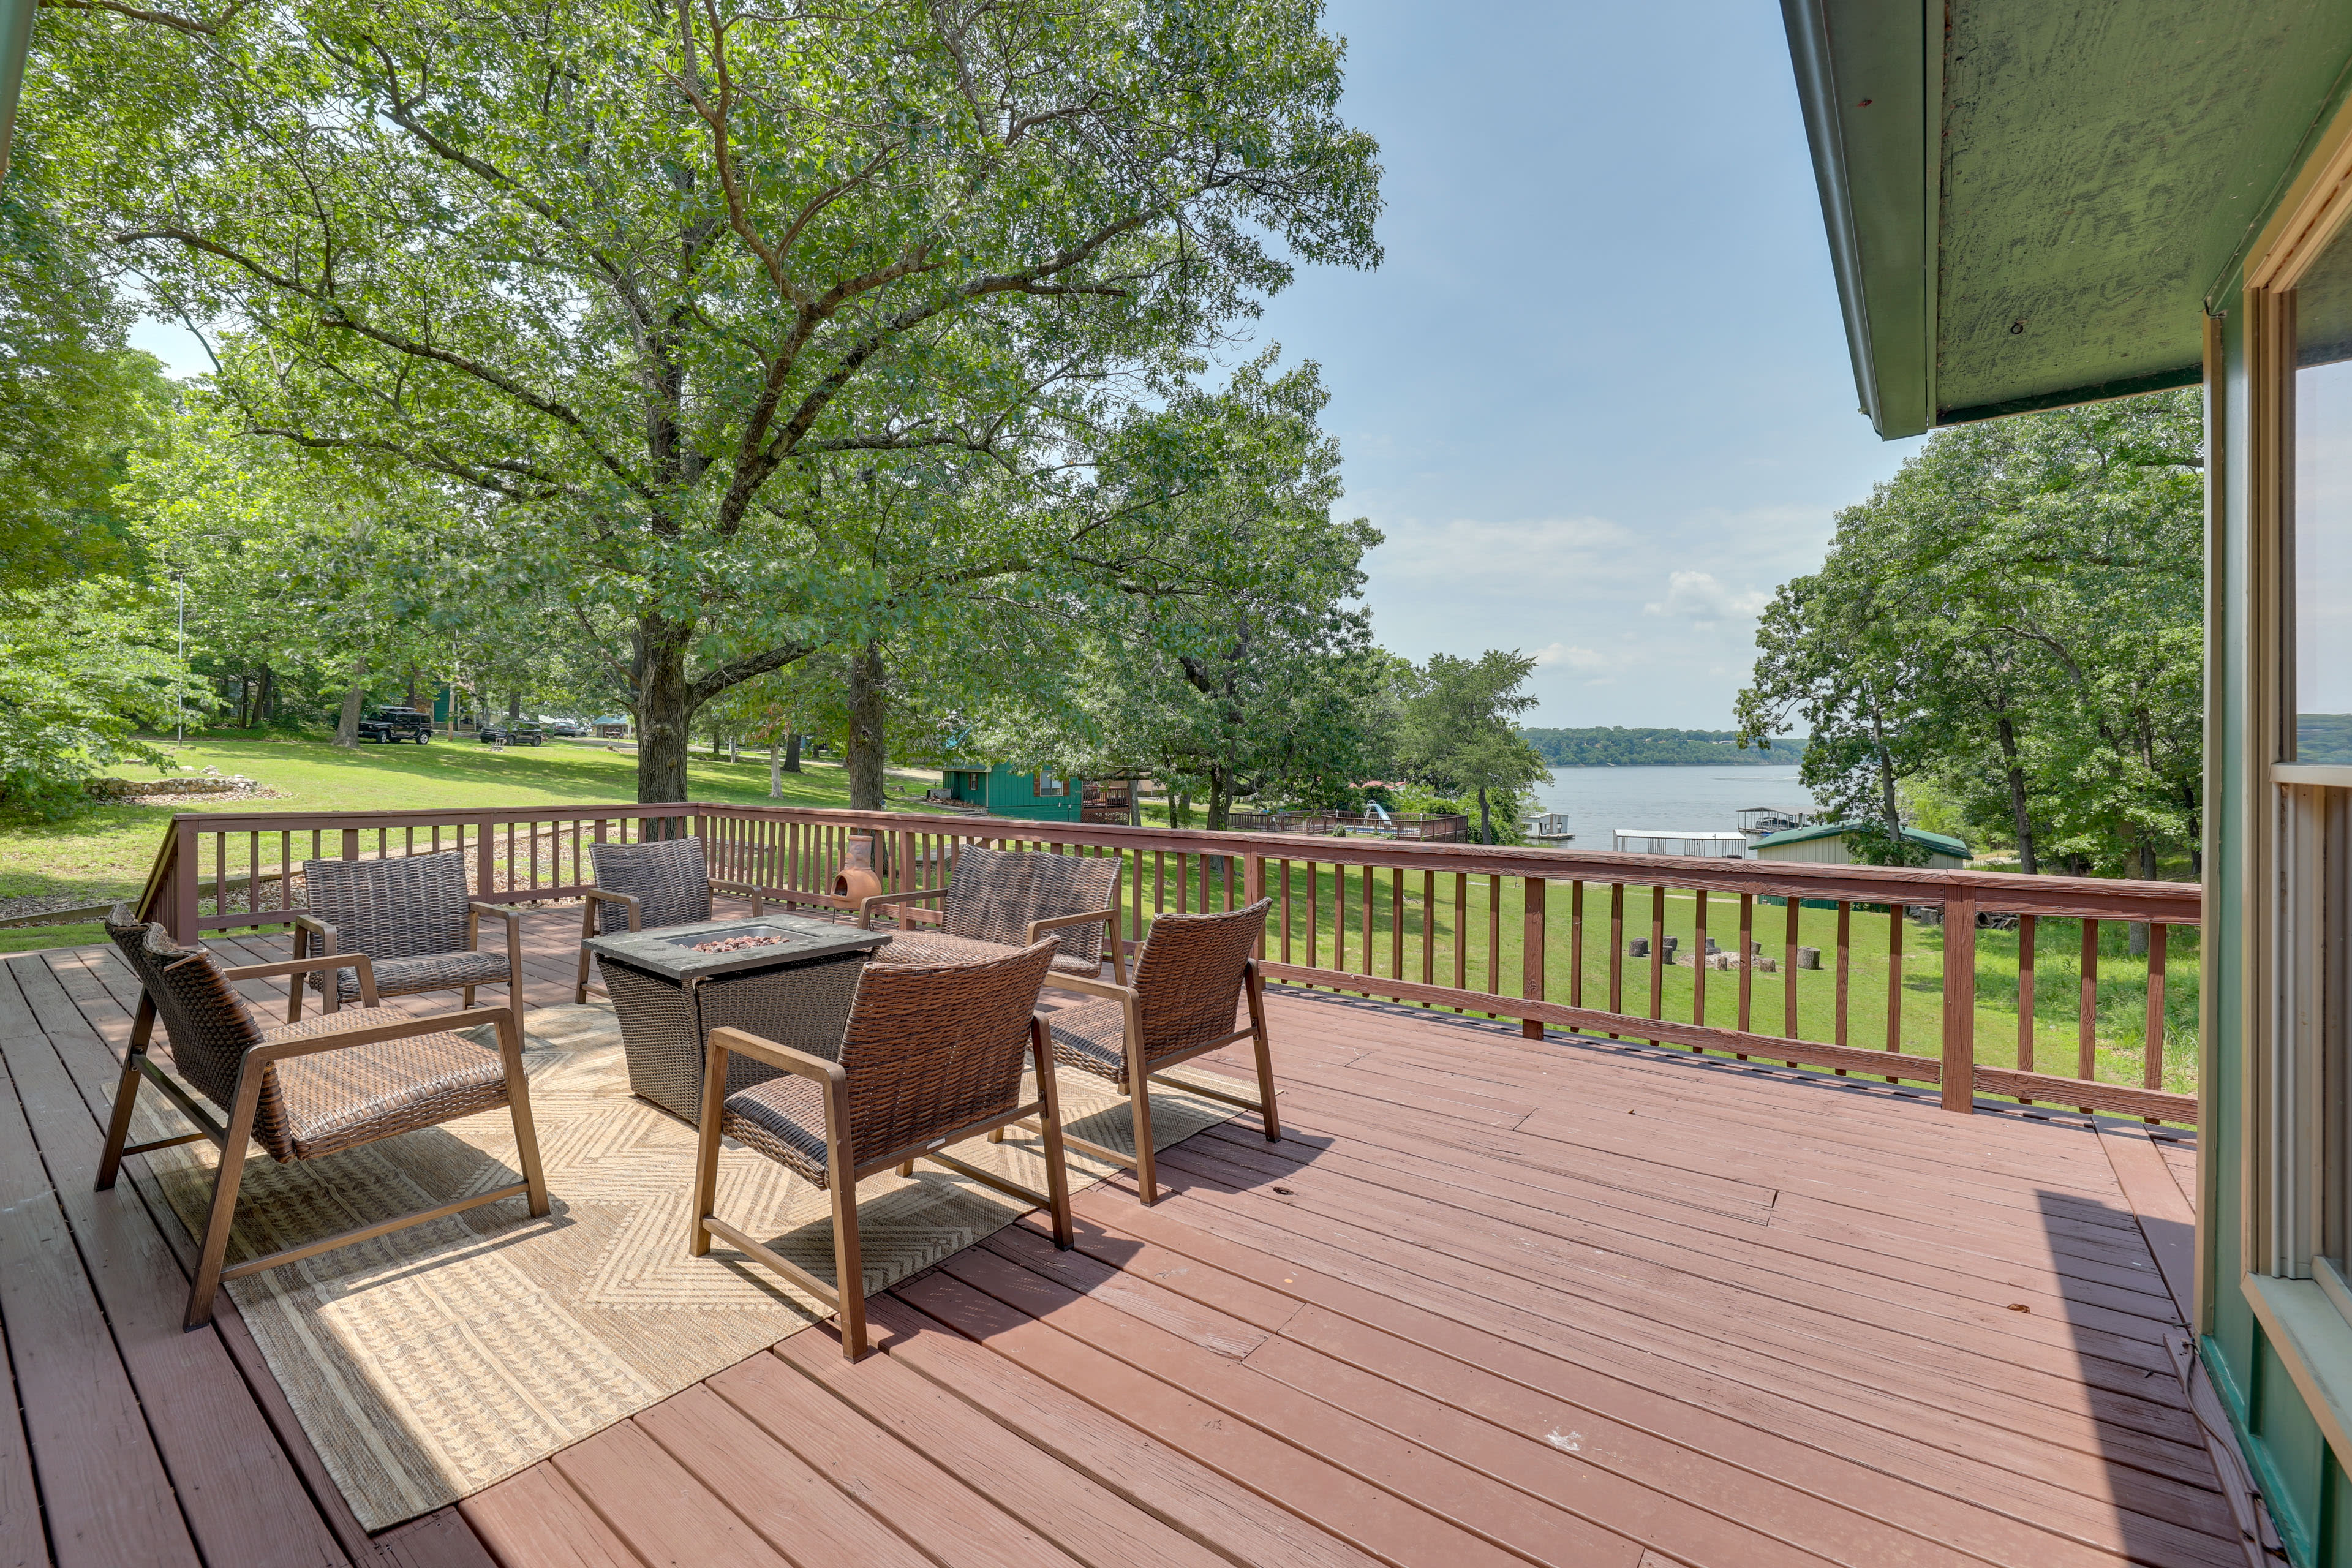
857 879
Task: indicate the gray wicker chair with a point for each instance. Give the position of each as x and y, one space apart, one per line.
303 1089
1188 978
643 887
931 1056
997 900
414 919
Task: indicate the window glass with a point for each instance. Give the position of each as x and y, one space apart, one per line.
2320 607
1049 783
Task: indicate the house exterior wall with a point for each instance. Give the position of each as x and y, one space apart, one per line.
1014 793
2279 1351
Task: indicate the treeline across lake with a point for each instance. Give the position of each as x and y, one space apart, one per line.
1614 746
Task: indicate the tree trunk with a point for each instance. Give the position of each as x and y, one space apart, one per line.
2026 861
1135 800
411 699
664 711
775 771
866 729
269 695
347 728
514 707
1486 818
793 754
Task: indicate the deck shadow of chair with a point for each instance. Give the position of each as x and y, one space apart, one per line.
931 1056
1192 972
416 919
303 1089
996 901
641 887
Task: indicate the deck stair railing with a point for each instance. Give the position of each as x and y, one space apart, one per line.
1892 973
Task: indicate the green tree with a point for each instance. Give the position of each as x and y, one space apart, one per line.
83 665
1457 728
648 277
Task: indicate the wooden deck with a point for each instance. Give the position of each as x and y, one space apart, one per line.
1491 1301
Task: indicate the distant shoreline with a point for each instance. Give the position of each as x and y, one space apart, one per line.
1618 747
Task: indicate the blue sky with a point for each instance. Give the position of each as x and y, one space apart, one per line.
1598 395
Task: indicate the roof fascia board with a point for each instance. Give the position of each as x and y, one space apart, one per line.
1870 96
2159 381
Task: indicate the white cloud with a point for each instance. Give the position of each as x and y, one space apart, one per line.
1697 597
1579 660
1541 556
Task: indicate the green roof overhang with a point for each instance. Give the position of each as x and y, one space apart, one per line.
2031 204
16 44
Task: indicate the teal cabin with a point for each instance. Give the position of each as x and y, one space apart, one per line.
1002 790
2031 206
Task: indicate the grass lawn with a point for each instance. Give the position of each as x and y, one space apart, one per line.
106 853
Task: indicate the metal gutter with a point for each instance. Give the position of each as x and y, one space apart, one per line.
1871 92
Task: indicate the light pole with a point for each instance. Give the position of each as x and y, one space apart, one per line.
179 698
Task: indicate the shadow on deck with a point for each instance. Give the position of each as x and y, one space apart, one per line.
1490 1300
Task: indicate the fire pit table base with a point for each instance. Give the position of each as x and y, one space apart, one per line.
667 997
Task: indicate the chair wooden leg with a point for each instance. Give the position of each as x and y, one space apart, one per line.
467 999
705 1152
996 1134
587 929
213 1248
294 982
848 1263
1254 988
126 1095
906 1167
519 1107
1139 1097
1057 1175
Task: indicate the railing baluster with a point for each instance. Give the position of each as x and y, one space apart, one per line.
1313 904
1396 923
1367 946
1960 1067
1844 955
2152 1051
1461 932
1894 977
1698 957
1616 950
1747 963
1532 892
1657 953
1286 911
1339 915
2086 1009
1428 927
1788 969
2024 997
1494 934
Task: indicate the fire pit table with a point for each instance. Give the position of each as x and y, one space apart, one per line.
785 978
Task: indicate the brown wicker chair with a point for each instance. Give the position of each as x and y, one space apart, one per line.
1187 978
414 917
303 1089
643 887
931 1056
998 899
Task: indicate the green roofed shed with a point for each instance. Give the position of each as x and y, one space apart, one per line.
1824 843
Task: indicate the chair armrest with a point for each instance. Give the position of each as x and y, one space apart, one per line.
1092 917
369 1035
317 926
866 908
1092 987
507 912
781 1057
475 909
627 900
330 961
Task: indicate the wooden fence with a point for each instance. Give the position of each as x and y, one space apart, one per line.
1546 936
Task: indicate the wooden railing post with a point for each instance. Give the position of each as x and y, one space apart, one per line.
1531 955
486 870
1960 1071
1252 889
183 882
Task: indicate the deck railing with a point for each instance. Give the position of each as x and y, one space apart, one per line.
1902 974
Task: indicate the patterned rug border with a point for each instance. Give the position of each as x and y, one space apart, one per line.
429 1365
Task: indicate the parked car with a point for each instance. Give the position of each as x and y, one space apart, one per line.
520 733
565 727
388 726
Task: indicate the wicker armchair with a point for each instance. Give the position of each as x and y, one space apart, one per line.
996 900
1187 978
305 1088
643 887
414 917
931 1056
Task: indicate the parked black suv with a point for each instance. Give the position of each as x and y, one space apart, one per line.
523 733
388 725
563 726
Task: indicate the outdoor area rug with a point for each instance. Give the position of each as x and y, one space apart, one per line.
428 1363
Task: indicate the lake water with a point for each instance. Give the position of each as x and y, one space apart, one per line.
1597 801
